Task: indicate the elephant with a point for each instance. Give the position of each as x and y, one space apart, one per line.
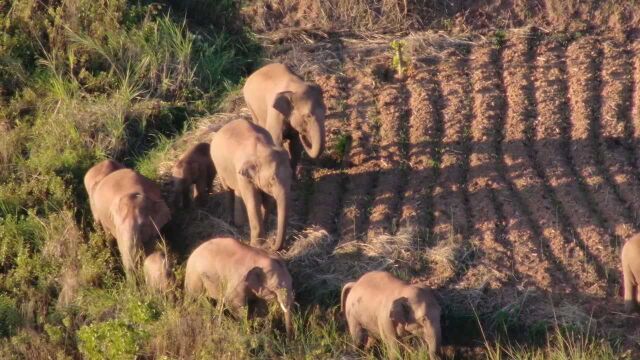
131 208
289 108
381 305
96 174
228 270
631 273
157 274
195 167
250 165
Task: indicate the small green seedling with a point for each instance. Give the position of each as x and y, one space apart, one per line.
398 59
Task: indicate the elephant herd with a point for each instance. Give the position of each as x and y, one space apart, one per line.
256 162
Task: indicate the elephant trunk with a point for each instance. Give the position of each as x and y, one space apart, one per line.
129 245
285 299
432 336
315 132
282 204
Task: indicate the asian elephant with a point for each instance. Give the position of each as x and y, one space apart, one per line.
195 167
228 270
250 165
289 108
631 273
383 306
157 273
130 207
96 174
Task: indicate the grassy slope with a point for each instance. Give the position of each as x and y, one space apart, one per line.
80 82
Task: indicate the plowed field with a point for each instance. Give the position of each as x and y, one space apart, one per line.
508 173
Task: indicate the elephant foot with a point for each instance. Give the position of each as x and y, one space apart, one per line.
258 243
630 306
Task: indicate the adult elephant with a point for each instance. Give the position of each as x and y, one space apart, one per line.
291 109
131 208
254 170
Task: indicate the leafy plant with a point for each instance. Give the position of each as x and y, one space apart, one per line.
399 63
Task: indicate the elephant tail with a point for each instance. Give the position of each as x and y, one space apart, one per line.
343 297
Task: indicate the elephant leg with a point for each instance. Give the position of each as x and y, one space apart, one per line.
238 209
295 153
388 335
358 335
229 202
201 191
253 202
209 181
630 290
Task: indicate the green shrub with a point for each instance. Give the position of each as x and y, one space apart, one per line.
10 318
113 339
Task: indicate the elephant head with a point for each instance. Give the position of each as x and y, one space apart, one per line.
157 272
137 219
419 314
271 173
274 283
305 111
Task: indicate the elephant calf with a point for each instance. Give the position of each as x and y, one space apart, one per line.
130 207
631 273
157 274
250 165
195 167
289 108
226 269
381 305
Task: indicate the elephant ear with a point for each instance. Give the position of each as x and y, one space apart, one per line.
122 207
159 212
400 311
255 279
249 169
283 103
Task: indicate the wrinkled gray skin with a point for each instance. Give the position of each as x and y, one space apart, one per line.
131 208
631 273
195 167
226 269
292 110
157 274
250 165
95 175
383 306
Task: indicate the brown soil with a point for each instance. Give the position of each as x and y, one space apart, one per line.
536 229
497 261
584 92
391 102
457 15
551 136
361 173
615 125
326 199
425 132
451 224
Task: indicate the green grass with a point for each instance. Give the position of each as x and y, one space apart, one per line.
82 81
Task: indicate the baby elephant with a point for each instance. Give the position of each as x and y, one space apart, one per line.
157 274
195 167
631 273
253 167
381 305
226 269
